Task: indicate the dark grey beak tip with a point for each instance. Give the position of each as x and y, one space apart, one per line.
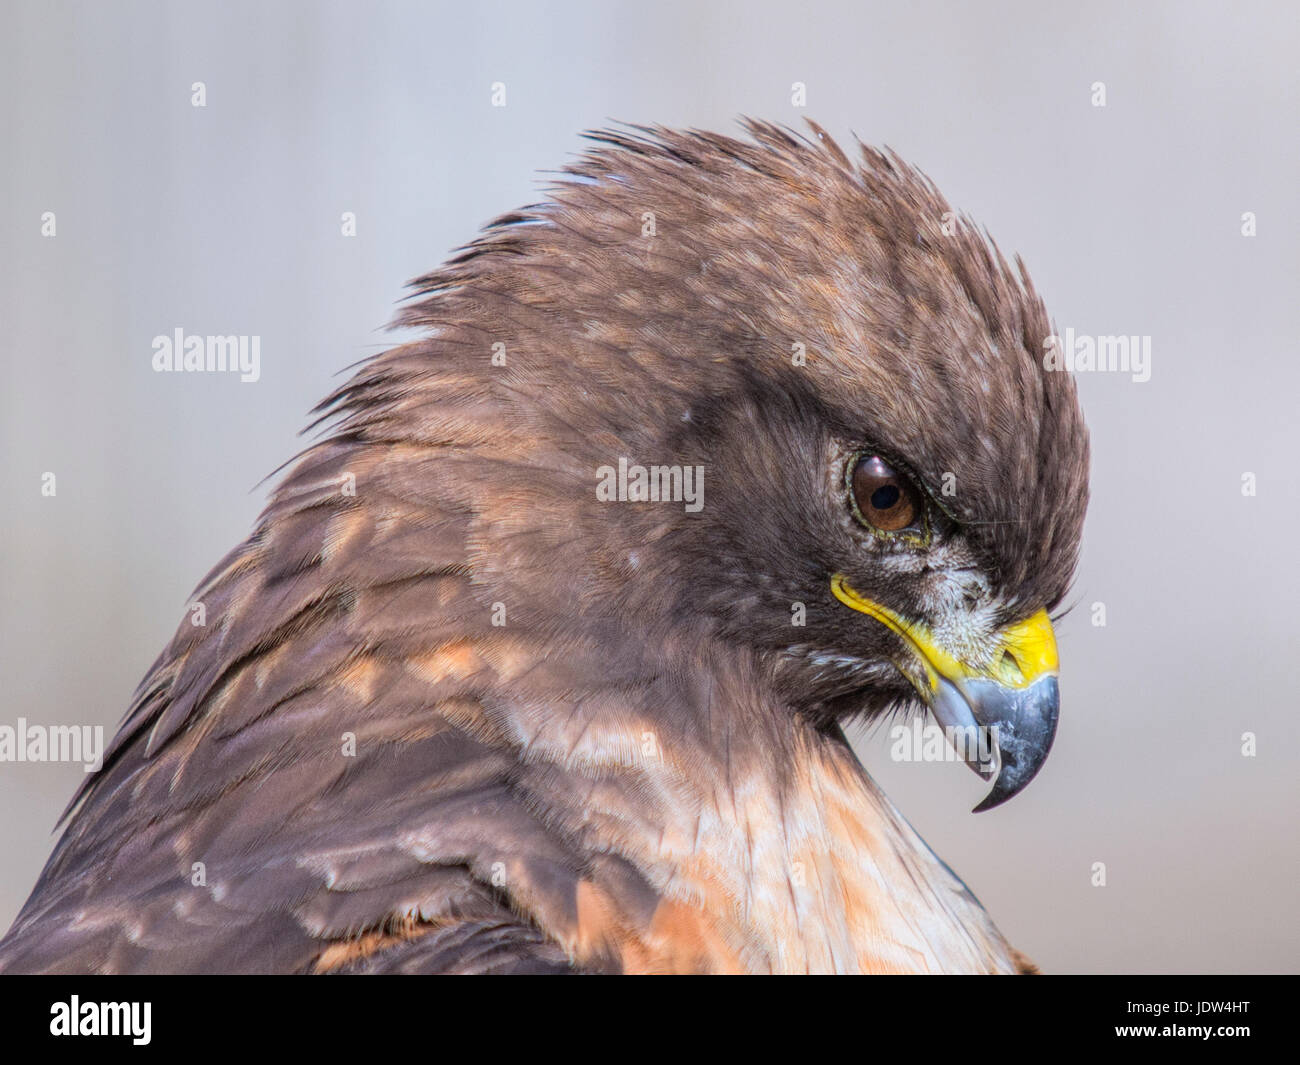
996 797
1025 721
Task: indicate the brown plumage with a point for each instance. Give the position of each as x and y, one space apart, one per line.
451 711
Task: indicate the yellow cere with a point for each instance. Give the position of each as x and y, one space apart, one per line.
1030 644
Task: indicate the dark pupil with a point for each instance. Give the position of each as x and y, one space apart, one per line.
885 496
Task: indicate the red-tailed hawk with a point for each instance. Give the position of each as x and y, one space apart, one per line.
537 661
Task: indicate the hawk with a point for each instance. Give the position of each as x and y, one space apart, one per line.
466 700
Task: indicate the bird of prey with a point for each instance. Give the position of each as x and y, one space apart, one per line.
539 657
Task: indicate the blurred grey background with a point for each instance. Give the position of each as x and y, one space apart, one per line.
226 219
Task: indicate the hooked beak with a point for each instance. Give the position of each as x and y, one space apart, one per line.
1000 716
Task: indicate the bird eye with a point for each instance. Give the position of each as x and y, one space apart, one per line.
883 498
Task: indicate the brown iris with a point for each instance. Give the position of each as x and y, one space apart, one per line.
884 498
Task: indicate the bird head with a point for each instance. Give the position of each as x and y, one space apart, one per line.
891 485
